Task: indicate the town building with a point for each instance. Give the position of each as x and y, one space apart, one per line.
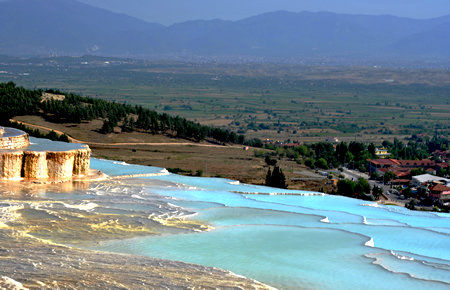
382 152
424 163
440 192
428 178
376 164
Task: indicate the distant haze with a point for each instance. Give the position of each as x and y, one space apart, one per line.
172 11
69 27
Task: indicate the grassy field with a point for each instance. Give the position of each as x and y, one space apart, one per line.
278 102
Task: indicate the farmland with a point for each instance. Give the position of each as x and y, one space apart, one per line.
278 102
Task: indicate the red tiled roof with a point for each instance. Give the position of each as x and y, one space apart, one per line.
399 173
440 187
423 162
401 180
384 161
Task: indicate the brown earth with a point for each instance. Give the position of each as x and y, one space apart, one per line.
213 160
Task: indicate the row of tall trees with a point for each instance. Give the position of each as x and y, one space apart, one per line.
16 101
360 189
75 109
416 148
276 178
354 155
325 155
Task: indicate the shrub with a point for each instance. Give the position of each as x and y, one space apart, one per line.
321 163
310 163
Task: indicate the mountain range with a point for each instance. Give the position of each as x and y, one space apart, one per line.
69 27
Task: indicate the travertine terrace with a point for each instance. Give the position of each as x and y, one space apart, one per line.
13 139
43 160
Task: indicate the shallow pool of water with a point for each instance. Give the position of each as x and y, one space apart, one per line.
303 240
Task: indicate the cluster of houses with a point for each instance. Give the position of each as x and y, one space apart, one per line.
403 172
437 187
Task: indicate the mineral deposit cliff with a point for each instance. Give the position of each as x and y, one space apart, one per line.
21 160
13 139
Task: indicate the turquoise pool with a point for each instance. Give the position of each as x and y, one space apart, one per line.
302 240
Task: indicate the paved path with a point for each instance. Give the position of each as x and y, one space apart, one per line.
355 175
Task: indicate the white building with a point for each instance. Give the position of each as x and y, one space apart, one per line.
424 178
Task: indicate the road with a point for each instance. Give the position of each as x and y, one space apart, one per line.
355 175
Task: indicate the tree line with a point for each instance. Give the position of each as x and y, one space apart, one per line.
358 189
354 155
73 108
52 135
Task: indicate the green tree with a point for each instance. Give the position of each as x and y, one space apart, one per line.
127 125
53 136
64 138
302 150
362 187
269 177
417 171
388 176
342 153
310 162
276 178
107 127
407 192
412 204
346 187
377 192
321 163
269 161
371 148
374 176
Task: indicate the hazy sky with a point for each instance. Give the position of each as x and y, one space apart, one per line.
171 11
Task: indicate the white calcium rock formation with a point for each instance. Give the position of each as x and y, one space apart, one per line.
20 160
11 165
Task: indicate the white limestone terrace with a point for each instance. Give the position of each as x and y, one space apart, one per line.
35 144
11 138
10 132
46 145
41 159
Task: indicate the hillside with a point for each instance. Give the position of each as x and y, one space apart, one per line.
43 27
68 27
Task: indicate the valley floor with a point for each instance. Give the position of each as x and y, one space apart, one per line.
232 162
